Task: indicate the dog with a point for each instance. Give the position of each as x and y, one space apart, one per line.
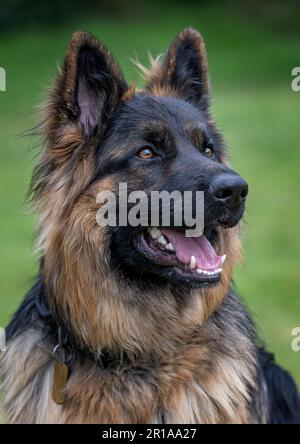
137 324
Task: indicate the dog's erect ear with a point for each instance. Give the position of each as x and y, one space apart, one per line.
183 71
90 84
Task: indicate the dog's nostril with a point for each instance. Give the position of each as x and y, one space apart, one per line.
244 192
223 193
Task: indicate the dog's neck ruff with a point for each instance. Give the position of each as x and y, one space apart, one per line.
67 347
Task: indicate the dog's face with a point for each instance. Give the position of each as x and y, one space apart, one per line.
166 143
161 138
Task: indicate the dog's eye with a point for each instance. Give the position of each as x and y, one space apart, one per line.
208 151
146 153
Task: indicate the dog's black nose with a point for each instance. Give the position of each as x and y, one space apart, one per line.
229 189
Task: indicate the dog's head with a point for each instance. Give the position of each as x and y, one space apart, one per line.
100 133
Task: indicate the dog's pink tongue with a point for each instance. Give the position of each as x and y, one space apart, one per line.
200 247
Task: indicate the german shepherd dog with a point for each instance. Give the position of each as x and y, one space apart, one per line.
120 328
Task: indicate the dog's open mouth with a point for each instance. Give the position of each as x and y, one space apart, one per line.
193 258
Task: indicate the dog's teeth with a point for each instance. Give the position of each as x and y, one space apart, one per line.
209 272
154 232
193 262
162 240
223 259
169 246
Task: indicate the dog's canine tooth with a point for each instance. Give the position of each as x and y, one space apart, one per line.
193 262
170 247
223 259
154 232
162 240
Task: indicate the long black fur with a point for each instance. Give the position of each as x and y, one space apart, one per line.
283 396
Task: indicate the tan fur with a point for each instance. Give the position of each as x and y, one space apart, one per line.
192 384
130 93
27 369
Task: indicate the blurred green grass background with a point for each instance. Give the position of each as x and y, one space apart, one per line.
250 59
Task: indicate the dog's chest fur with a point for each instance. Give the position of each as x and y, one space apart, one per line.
197 383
